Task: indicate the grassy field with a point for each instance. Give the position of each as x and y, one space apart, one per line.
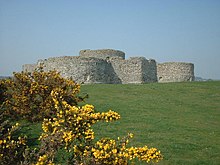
180 119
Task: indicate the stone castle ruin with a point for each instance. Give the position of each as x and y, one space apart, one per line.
109 66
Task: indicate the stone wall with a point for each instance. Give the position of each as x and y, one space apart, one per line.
29 67
134 70
82 70
175 72
149 69
102 53
109 66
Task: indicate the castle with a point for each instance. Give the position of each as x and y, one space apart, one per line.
109 66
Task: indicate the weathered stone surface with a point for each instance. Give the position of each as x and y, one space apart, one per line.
135 70
110 66
29 67
102 53
175 72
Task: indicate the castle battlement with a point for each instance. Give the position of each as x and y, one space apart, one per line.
110 66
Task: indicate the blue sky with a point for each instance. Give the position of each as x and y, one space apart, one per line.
164 30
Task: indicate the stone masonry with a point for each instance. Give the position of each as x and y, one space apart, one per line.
110 67
175 72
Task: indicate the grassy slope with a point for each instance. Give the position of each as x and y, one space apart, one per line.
181 119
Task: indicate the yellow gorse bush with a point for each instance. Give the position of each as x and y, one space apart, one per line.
28 94
72 126
109 151
43 160
47 97
74 122
11 148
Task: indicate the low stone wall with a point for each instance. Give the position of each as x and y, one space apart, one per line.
175 72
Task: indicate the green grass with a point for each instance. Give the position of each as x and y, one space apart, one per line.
180 119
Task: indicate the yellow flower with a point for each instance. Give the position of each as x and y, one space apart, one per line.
114 151
131 135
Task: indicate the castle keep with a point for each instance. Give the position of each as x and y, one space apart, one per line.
110 67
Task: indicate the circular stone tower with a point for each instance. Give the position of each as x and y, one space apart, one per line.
102 53
175 72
